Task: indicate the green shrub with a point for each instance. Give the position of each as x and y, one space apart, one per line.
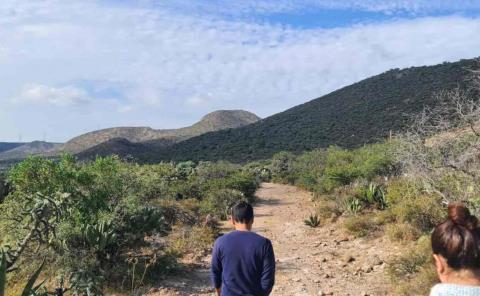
327 208
89 215
344 166
282 167
423 212
359 225
384 217
207 171
244 182
413 273
400 189
219 202
90 218
184 169
419 284
351 205
308 169
4 187
373 194
402 232
196 240
260 170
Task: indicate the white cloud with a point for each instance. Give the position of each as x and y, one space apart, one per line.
196 101
171 67
125 109
48 95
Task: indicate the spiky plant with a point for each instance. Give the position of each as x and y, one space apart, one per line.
30 289
312 221
374 194
352 205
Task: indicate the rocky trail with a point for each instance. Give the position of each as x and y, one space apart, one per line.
310 261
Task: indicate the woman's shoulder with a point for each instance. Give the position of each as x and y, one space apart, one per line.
454 290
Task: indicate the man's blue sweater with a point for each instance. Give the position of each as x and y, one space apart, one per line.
243 263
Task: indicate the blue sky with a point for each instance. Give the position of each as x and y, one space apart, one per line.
68 67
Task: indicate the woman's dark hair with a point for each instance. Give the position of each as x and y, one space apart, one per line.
242 212
458 238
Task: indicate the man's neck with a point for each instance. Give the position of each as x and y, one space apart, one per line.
243 227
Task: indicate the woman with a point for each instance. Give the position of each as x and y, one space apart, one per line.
456 249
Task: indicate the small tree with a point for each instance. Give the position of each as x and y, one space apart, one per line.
443 146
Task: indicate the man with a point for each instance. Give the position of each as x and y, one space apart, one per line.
243 262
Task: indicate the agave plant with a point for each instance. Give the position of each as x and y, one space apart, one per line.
30 289
374 194
353 205
100 236
312 221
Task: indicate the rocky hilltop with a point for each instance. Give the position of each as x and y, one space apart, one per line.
109 139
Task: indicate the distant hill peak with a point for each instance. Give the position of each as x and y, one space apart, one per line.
214 121
31 148
229 114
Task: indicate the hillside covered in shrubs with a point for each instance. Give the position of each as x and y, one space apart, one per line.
399 188
364 112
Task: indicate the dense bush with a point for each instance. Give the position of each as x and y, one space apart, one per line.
402 232
360 225
4 187
219 202
321 171
413 272
423 212
282 167
344 166
91 219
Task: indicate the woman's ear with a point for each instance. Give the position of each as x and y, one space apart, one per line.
441 266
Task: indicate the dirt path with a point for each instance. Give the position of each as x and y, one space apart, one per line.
310 261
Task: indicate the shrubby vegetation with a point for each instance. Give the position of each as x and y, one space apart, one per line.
100 222
324 170
364 112
399 188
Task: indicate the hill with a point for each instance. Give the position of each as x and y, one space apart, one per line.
5 146
126 141
26 149
361 113
121 147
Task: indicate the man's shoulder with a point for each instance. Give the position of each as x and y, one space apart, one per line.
250 235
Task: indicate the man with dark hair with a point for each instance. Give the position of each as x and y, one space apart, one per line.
243 262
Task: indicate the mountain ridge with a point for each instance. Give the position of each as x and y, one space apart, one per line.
30 148
217 120
128 141
361 113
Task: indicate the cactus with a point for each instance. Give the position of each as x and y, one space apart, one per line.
99 236
29 289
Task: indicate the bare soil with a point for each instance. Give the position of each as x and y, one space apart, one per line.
310 261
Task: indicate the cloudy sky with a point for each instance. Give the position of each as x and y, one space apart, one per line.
67 66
